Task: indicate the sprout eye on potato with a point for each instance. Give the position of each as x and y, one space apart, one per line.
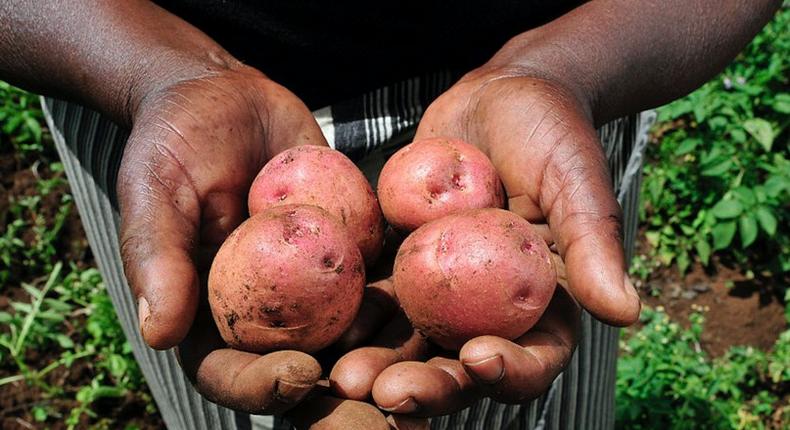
432 178
289 277
292 276
321 176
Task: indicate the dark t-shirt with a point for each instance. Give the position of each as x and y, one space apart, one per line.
326 51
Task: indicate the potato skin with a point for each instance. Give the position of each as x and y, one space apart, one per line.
321 176
480 272
289 277
432 178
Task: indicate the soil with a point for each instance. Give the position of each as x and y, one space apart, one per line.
739 310
19 178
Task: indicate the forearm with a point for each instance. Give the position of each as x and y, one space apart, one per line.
623 56
105 54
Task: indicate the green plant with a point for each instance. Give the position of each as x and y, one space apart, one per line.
21 119
666 380
719 178
50 322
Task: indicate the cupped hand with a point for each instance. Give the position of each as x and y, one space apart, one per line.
195 147
542 141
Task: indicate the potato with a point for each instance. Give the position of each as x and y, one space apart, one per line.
289 277
321 176
432 178
480 272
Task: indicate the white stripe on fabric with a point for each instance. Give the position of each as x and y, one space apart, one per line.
634 166
323 117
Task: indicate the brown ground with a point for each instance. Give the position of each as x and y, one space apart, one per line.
741 311
18 178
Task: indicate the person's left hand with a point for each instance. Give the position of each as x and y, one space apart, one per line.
540 136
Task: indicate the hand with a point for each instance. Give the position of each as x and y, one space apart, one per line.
195 147
541 139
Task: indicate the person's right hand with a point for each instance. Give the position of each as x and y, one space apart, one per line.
195 147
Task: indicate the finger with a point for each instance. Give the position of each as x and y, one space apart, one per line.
586 220
513 372
439 387
182 183
160 213
378 306
272 383
553 167
330 413
353 375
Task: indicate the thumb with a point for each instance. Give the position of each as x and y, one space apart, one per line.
160 217
182 188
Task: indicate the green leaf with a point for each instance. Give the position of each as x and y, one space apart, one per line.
33 291
22 307
748 229
738 135
34 127
687 146
703 250
726 209
762 131
717 169
775 185
746 196
767 219
51 316
723 234
683 261
782 103
39 414
64 341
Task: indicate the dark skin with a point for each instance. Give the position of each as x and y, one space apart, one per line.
532 108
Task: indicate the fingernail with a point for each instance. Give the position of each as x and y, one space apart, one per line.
405 407
143 312
629 287
489 370
290 391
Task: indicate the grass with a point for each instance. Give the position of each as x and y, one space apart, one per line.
61 346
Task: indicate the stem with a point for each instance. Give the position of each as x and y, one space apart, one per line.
57 363
36 307
10 379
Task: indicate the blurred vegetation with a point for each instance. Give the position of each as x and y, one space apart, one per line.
718 178
58 317
716 186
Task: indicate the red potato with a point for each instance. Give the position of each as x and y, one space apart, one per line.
321 176
289 277
480 272
432 178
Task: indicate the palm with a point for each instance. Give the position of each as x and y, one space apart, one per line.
193 152
546 152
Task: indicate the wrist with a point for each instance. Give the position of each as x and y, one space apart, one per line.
535 54
150 77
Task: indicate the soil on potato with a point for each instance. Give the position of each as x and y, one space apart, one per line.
19 178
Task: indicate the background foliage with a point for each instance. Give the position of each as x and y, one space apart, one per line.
718 180
716 187
61 318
